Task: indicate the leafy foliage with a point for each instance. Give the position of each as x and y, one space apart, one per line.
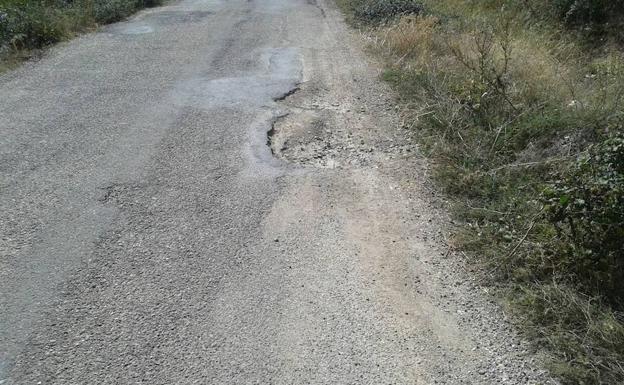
586 11
379 11
30 24
587 208
113 10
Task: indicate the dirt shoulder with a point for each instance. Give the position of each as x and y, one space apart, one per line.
343 121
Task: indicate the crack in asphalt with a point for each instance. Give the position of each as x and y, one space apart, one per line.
283 97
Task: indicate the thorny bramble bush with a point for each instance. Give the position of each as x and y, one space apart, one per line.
587 209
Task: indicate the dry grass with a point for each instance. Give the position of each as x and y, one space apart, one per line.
539 75
503 106
410 38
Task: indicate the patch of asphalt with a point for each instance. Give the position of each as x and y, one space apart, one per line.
150 235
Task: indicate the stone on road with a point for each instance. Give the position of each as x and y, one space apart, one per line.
212 192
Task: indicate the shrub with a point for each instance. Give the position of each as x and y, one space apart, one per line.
380 11
31 25
587 208
586 11
110 11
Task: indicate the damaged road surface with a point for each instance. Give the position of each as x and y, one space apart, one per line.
220 192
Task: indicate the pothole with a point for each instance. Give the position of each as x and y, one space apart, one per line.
316 138
295 137
315 132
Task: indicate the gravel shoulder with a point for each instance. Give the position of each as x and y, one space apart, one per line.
343 122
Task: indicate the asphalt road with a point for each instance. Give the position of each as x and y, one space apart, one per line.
150 235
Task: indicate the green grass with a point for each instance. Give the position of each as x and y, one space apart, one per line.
520 111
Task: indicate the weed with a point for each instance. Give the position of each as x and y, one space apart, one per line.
411 37
523 123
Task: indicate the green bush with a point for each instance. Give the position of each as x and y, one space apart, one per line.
586 11
379 11
31 24
587 208
110 11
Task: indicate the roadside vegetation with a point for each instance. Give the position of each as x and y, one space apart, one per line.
520 107
27 26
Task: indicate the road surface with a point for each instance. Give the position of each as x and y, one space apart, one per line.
219 192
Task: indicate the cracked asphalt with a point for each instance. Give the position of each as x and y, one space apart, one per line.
150 235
